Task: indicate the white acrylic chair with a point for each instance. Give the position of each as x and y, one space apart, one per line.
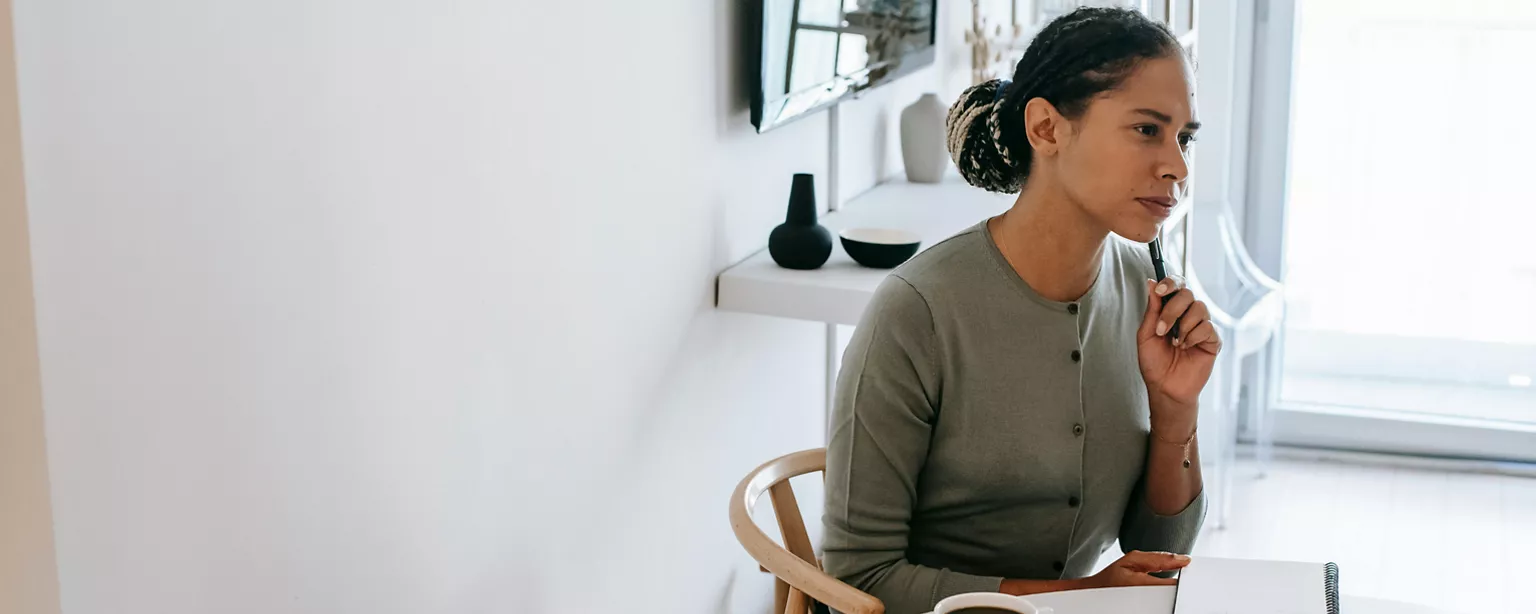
1247 308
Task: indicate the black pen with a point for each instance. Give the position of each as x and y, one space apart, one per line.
1156 246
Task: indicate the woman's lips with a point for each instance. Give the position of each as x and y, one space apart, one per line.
1160 207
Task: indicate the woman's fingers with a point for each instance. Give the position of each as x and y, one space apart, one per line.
1196 313
1180 303
1169 285
1203 336
1156 290
1152 562
1149 319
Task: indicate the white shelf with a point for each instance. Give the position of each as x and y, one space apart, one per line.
838 291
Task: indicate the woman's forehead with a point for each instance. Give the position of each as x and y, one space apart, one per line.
1165 85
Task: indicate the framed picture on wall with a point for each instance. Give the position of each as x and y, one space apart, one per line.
1178 14
1001 30
1046 10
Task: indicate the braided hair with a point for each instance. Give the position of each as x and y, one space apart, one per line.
1073 59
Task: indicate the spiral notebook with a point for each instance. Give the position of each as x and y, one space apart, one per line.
1211 585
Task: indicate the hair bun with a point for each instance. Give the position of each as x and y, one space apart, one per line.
975 139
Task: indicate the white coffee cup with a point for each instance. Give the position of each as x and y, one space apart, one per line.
1002 601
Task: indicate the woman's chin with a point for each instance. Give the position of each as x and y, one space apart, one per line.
1140 233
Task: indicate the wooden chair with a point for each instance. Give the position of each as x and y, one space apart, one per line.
799 581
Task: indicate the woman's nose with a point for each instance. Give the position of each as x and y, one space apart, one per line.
1173 163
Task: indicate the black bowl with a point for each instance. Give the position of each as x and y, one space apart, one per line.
879 248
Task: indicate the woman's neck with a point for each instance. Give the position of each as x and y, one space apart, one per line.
1053 245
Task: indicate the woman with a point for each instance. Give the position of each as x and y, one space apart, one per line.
1012 402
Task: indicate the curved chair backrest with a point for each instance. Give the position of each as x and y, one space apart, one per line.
794 563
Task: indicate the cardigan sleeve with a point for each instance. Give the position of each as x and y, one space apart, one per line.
882 424
1146 530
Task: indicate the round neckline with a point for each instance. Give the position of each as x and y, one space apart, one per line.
1004 267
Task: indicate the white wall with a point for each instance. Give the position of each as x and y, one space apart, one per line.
28 580
870 130
389 306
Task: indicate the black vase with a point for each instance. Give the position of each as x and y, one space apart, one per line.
801 243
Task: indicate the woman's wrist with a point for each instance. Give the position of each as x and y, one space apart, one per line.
1164 403
1181 435
1035 587
1174 420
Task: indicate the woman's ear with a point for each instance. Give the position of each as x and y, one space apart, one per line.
1045 126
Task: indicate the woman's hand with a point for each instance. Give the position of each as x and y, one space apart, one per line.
1176 370
1136 569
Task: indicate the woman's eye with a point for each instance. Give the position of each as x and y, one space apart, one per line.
1185 140
1147 130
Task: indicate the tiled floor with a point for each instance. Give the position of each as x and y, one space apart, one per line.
1458 541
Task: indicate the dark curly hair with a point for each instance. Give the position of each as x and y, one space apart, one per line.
1073 59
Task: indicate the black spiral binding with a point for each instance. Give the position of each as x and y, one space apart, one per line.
1331 587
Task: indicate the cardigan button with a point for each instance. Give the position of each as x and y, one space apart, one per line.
1074 502
1072 308
1077 429
1058 566
1077 356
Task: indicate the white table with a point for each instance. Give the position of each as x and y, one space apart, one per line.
1159 600
838 291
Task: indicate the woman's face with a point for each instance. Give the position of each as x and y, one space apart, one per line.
1127 159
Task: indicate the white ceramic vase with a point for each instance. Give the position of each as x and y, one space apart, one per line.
922 140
